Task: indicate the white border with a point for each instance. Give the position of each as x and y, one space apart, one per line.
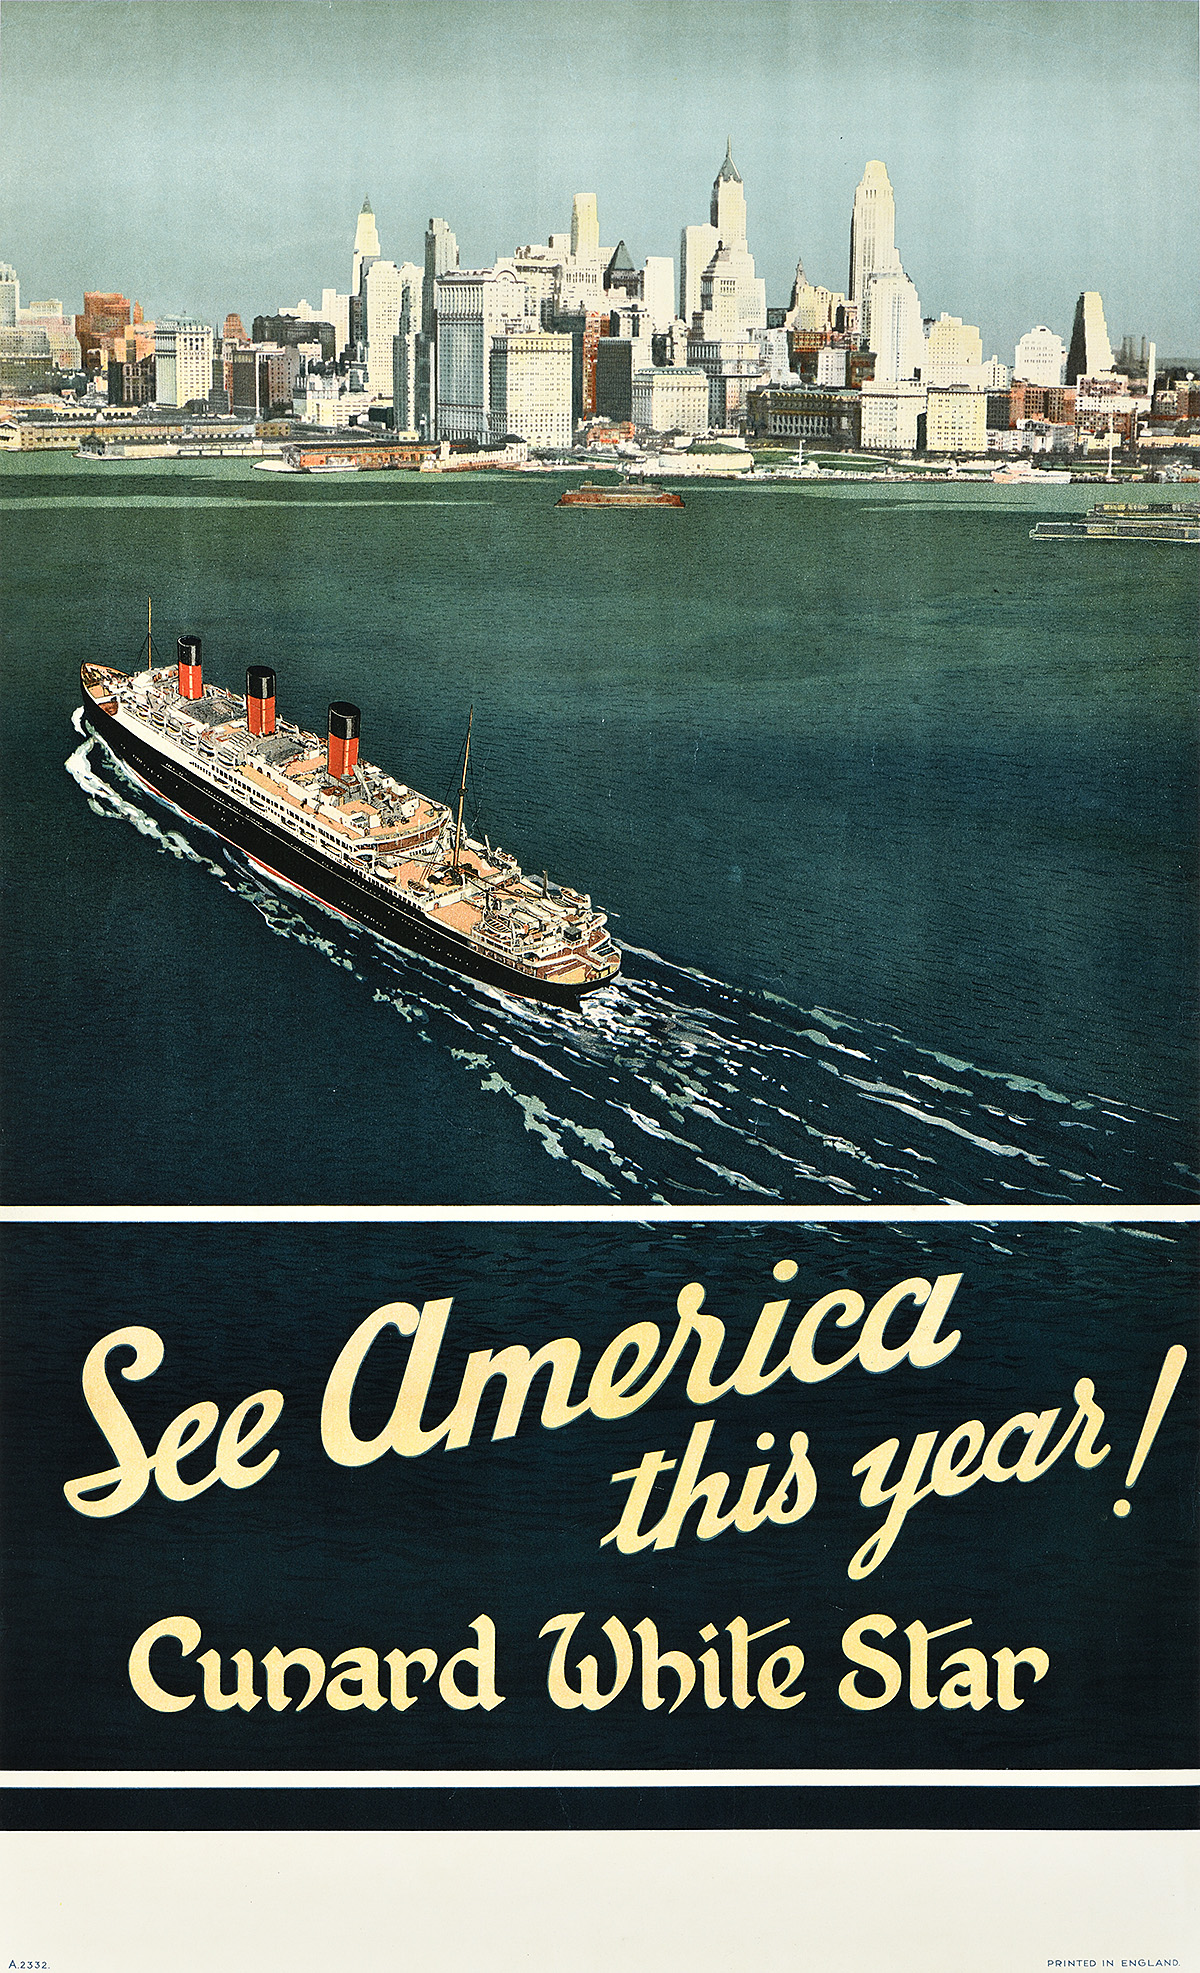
954 1214
553 1778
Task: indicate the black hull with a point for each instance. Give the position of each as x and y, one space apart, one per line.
340 890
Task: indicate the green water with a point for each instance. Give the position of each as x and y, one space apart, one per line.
867 747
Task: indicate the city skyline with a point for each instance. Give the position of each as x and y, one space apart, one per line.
236 144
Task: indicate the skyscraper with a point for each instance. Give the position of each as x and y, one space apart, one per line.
732 304
1090 354
182 361
585 227
405 345
10 296
335 308
103 323
658 289
731 301
727 207
872 228
697 245
384 285
441 254
441 257
529 387
892 322
472 309
366 245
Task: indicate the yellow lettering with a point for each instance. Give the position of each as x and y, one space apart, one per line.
481 1657
654 1661
358 1685
518 1369
277 1666
905 1494
403 1432
186 1632
130 1477
804 1366
233 1445
243 1693
948 1475
398 1663
880 1662
587 1693
970 1685
610 1395
773 1685
919 1639
1006 1673
182 1436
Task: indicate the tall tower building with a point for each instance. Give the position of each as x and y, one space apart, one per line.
366 245
335 308
384 289
183 352
658 289
621 276
10 296
697 245
585 227
727 208
892 324
1090 354
473 307
441 257
441 254
406 348
872 228
529 387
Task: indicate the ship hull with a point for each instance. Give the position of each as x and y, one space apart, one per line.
342 891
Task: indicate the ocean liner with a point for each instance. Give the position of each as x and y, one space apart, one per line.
307 811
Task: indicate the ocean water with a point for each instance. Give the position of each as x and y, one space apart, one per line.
893 809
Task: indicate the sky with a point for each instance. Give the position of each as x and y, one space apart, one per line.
203 156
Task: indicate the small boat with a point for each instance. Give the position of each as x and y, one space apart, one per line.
799 468
1020 472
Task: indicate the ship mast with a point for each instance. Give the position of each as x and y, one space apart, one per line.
462 789
149 640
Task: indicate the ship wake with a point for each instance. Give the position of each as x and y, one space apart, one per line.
669 1087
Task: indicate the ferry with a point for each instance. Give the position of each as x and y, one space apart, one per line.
631 493
1176 521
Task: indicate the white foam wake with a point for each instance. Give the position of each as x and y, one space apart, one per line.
672 1087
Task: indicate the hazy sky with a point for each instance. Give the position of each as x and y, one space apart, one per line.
206 155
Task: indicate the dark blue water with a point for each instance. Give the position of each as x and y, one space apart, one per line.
893 808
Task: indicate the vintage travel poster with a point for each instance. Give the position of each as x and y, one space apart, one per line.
600 1107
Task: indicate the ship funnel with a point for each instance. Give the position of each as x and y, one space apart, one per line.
260 699
191 683
344 722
